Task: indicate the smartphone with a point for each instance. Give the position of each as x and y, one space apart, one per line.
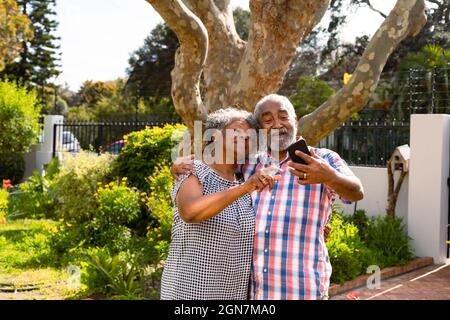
298 145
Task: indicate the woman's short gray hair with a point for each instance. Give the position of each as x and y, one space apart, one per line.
282 100
223 117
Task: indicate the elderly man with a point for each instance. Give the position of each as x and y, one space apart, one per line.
290 259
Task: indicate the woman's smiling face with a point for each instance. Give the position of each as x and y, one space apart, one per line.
237 143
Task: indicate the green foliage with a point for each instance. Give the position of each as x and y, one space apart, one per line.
12 166
356 242
144 151
241 19
34 198
117 204
19 128
26 243
156 57
76 184
39 56
3 204
430 56
19 118
387 238
115 208
113 276
160 204
15 28
346 250
310 94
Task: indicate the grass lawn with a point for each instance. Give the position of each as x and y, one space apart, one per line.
26 267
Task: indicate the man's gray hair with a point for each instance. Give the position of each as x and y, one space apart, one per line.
282 100
223 117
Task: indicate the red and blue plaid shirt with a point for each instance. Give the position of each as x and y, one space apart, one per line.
290 259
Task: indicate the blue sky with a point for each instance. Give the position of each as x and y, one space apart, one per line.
98 36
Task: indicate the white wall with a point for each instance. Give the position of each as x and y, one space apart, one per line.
428 190
41 154
375 183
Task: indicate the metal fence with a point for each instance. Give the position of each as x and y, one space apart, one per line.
98 137
366 143
370 141
362 143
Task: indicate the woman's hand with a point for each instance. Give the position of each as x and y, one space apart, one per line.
182 166
258 182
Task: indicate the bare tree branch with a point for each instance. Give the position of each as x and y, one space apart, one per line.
277 27
406 19
369 4
189 58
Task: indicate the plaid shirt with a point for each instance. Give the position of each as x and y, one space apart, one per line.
290 259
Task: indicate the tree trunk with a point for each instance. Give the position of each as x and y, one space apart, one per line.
239 73
393 190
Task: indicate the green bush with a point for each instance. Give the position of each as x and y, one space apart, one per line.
116 276
387 238
116 207
160 204
117 204
3 204
144 151
12 166
310 93
76 184
19 128
347 252
26 243
356 242
19 118
34 198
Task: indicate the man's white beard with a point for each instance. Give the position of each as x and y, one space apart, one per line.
283 141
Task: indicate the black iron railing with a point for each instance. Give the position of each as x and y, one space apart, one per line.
367 143
96 136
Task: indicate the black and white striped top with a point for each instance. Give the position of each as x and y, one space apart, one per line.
211 259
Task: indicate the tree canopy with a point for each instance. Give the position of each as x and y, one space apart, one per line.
14 30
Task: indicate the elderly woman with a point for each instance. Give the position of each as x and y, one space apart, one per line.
213 224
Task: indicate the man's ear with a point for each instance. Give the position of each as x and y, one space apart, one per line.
296 127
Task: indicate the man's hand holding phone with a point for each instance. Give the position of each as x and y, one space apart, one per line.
309 167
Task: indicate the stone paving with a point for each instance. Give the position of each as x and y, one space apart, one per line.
428 283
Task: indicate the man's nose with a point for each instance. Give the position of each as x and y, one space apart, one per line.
277 124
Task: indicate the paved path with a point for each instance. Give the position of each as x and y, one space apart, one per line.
429 283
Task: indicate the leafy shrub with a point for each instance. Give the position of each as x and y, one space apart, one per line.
144 151
117 204
27 244
34 198
160 204
116 207
3 204
12 166
360 220
387 238
19 128
310 94
113 276
76 184
19 118
357 242
346 250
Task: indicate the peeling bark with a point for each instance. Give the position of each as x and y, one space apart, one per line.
240 73
189 58
225 49
406 19
276 29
